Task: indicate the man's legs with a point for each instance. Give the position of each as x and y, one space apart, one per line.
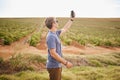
55 73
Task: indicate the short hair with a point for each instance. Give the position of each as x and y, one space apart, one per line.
49 21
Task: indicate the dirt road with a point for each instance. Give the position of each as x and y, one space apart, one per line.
22 46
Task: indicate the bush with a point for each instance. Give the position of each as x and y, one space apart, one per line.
19 63
95 63
7 40
35 38
1 60
22 62
12 30
37 58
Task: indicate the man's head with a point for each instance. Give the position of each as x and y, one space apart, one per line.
51 23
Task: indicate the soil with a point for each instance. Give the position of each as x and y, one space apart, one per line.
22 46
7 51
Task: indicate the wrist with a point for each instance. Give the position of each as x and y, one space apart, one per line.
66 63
71 19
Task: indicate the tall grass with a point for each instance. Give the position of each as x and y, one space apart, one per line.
91 67
22 62
76 73
95 60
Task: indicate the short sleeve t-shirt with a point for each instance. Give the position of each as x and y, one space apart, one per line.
53 41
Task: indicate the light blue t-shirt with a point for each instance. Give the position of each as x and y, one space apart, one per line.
53 41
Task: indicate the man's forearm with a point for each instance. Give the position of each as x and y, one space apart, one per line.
58 58
67 25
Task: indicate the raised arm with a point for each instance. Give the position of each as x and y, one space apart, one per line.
69 23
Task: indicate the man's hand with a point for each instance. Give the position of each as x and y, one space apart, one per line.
69 23
69 65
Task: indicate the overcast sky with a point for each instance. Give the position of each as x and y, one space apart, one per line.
59 8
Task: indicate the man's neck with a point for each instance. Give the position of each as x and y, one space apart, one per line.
52 30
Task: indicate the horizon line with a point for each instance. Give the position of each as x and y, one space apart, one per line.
50 16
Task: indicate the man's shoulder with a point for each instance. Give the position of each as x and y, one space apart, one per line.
58 32
50 36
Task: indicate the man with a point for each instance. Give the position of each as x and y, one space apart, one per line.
54 47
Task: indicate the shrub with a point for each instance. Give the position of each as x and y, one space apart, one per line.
35 38
95 63
37 58
1 60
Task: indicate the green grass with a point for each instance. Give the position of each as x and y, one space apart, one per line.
36 37
22 62
95 31
96 73
95 60
26 75
75 73
108 59
98 32
93 67
13 29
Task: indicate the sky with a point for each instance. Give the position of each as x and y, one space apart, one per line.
60 8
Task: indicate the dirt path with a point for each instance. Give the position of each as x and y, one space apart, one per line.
22 46
6 51
89 50
16 47
42 45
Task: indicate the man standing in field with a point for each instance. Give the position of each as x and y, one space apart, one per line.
54 47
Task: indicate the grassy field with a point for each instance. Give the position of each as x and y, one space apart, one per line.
84 31
91 67
12 30
98 32
76 73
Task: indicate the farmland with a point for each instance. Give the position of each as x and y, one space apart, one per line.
95 40
12 30
98 32
84 31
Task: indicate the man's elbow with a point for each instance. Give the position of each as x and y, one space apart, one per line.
52 53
